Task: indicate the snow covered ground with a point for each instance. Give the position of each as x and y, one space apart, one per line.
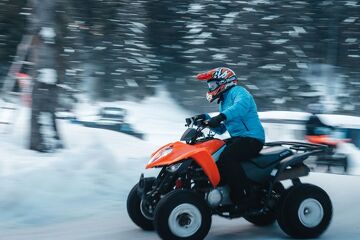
47 188
80 192
91 176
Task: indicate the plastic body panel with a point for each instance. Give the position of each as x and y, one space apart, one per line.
200 152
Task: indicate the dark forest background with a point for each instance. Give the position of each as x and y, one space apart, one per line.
287 53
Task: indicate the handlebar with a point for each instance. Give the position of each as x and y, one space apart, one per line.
200 123
188 121
195 129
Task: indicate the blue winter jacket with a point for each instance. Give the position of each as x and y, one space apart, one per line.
242 119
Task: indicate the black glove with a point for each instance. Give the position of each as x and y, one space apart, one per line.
199 117
195 119
216 121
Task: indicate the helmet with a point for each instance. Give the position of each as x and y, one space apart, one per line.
316 108
219 80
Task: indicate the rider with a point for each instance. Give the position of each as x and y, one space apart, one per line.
316 130
238 115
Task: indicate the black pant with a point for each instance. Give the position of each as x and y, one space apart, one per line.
238 149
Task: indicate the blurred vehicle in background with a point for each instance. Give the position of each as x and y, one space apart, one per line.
319 132
110 118
342 136
331 158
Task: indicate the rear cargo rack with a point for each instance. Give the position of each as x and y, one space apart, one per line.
299 146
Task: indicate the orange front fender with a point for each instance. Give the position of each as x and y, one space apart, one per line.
207 163
183 151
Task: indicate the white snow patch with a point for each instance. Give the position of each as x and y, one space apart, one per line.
195 25
271 17
273 67
350 19
352 3
136 30
139 25
219 56
195 30
195 7
197 41
69 50
252 86
99 48
47 75
196 61
279 52
302 65
351 40
299 29
256 2
205 35
278 41
230 17
248 9
132 83
280 100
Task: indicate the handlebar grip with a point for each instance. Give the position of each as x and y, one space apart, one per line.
201 123
196 122
188 121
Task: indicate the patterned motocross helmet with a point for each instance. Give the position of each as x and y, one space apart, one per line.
219 80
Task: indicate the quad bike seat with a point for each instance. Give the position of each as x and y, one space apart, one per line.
270 155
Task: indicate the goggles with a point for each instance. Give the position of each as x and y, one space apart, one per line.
212 85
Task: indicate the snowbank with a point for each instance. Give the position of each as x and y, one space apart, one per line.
94 172
84 179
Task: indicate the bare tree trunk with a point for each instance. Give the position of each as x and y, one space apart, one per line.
44 135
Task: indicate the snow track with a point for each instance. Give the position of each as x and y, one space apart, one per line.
80 193
115 224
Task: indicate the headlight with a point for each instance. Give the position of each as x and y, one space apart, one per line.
174 167
161 154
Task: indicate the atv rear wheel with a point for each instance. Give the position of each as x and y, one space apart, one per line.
134 210
269 217
182 214
305 211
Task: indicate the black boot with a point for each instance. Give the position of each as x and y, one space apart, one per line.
244 202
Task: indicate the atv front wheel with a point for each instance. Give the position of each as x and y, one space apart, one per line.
305 211
181 215
268 217
134 209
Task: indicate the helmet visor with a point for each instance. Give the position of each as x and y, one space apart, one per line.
212 85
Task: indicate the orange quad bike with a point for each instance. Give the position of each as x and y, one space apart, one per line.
330 158
180 201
